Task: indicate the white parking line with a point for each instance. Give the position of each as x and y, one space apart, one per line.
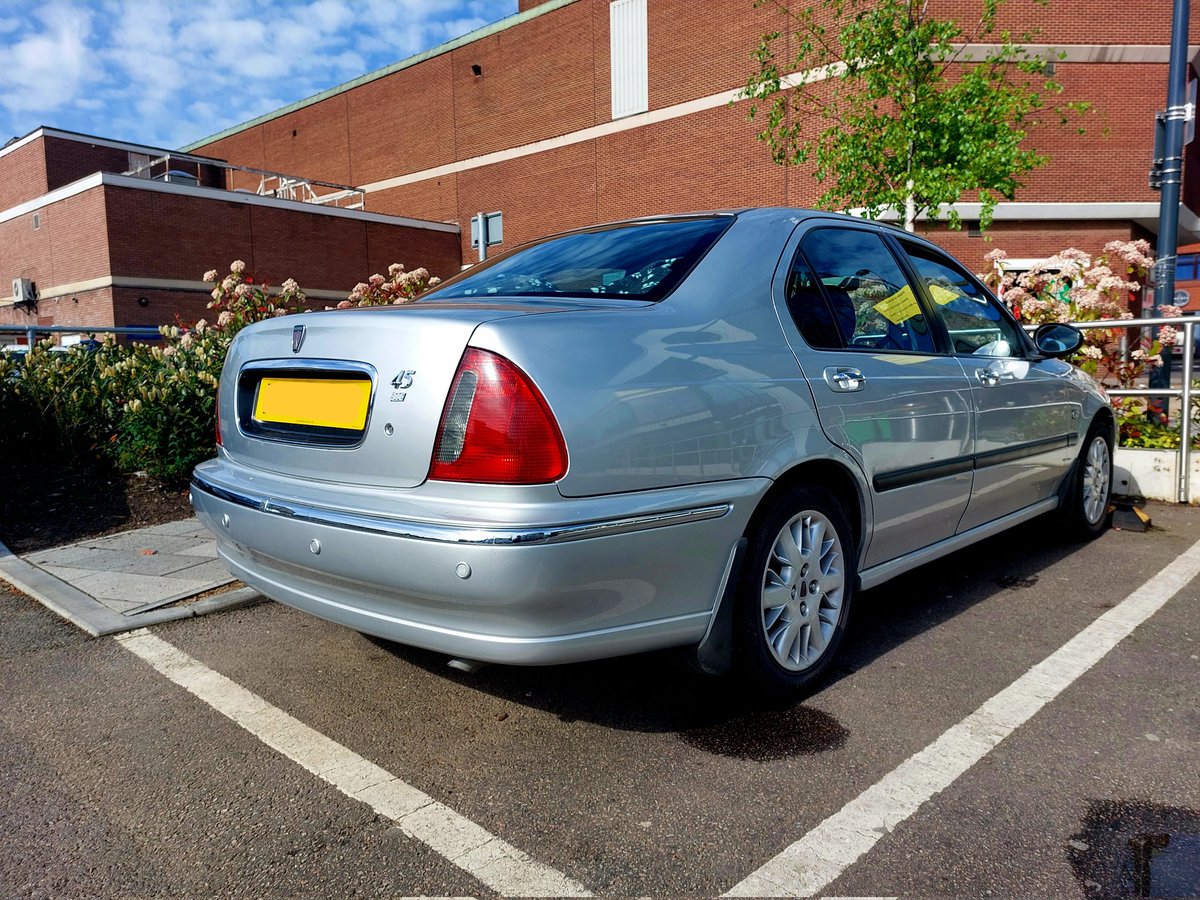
814 861
499 865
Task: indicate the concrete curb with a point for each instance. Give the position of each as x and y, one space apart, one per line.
93 616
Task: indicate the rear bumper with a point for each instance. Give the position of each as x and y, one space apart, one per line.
644 575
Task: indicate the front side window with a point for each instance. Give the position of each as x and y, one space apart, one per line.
973 319
642 261
867 291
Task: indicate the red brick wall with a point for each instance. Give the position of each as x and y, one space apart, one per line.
167 235
538 81
23 174
1026 240
128 232
69 245
1074 21
316 132
549 76
161 308
401 123
163 235
68 160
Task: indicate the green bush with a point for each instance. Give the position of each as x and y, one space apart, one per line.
153 409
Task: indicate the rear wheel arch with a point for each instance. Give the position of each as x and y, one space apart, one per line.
835 478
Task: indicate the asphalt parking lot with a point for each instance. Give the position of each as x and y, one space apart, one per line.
631 777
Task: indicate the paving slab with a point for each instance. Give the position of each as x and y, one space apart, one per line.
140 540
128 580
189 527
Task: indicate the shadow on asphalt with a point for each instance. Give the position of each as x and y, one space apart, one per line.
661 692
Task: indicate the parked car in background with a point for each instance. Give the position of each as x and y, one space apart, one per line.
707 431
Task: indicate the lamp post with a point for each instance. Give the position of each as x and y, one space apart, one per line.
1169 172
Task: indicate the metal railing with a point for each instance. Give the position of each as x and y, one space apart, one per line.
1184 394
270 184
146 332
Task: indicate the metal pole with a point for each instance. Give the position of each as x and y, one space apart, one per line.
1185 418
1172 170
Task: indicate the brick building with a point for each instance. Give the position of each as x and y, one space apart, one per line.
568 113
98 247
578 111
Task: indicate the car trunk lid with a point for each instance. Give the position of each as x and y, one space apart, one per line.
354 396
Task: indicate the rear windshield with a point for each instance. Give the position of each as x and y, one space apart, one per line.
643 261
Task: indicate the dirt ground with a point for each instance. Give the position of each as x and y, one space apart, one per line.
47 505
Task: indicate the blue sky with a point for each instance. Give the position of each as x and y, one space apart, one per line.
168 72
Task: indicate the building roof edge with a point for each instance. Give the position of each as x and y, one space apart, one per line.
469 38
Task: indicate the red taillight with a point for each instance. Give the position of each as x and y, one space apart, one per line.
496 427
219 420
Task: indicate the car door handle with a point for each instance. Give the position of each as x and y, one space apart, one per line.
844 380
992 377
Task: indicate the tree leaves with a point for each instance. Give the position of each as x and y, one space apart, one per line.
918 111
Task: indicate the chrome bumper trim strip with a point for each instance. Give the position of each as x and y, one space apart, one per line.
460 534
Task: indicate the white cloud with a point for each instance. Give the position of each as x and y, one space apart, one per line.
50 64
165 73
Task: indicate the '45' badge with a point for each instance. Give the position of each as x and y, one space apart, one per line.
402 382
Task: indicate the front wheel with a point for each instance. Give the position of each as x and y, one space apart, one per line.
794 598
1086 506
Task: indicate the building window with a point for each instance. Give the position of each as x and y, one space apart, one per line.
1185 267
628 64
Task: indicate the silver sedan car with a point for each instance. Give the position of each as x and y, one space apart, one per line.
706 431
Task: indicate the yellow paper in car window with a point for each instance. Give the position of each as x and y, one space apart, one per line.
899 307
942 296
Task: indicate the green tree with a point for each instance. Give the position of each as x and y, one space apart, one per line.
896 109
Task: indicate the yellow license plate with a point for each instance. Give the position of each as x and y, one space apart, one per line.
319 402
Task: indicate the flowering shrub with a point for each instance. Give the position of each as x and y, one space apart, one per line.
399 287
153 408
1072 287
169 420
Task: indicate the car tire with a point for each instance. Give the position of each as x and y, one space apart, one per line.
1086 508
794 595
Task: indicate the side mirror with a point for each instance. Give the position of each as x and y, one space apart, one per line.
1057 340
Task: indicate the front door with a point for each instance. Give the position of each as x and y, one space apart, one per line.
1026 408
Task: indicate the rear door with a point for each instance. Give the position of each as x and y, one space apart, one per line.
885 392
1026 408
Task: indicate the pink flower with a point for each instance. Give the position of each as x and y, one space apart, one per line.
210 275
224 319
290 286
345 304
395 268
242 290
237 267
995 256
375 280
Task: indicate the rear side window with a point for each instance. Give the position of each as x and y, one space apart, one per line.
867 290
643 261
811 312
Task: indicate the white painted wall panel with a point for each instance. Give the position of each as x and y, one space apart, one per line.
628 57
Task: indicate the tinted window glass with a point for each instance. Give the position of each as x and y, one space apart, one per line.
865 286
811 310
973 319
644 262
